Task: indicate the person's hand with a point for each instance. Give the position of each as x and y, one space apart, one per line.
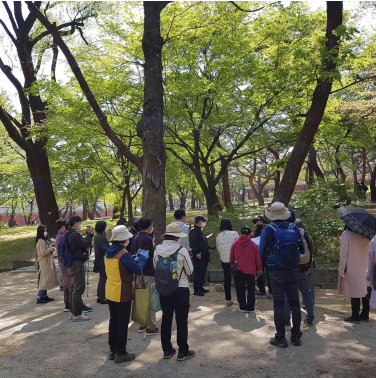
89 230
198 256
368 296
259 273
144 254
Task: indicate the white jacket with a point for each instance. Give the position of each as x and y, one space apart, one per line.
225 239
169 247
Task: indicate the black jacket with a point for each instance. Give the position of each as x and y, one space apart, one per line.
198 242
79 245
134 232
100 245
144 241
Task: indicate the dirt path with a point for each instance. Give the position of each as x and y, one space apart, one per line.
40 341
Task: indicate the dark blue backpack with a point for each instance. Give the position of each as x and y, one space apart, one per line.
64 253
286 253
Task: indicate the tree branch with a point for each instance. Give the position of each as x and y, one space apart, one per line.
249 10
8 32
355 82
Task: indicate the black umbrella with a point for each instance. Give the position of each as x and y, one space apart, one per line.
359 221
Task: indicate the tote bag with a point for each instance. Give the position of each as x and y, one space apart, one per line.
141 304
155 303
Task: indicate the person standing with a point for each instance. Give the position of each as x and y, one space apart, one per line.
61 231
143 240
120 267
180 217
224 242
79 248
245 252
101 245
178 302
352 273
284 280
371 277
200 255
48 278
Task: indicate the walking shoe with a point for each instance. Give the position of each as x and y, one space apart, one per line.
250 311
119 358
80 317
111 357
364 318
282 343
48 299
152 332
186 356
198 293
66 308
243 311
260 295
87 309
269 296
351 320
61 288
41 301
229 303
204 290
169 354
308 322
142 329
296 341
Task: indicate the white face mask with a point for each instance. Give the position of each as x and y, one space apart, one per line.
203 224
152 230
79 227
45 234
126 243
106 229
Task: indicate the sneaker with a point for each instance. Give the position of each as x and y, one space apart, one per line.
187 356
229 303
308 322
198 293
48 299
152 332
364 318
87 309
204 290
351 320
260 295
119 358
296 341
269 296
282 343
41 301
243 311
66 308
169 354
250 311
112 355
142 329
80 317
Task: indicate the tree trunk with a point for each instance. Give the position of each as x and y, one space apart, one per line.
115 211
105 207
314 165
364 171
193 202
129 206
85 205
212 202
183 200
317 108
123 200
355 178
277 180
257 192
311 174
226 187
372 185
171 202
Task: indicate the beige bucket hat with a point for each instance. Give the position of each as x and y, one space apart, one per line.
173 229
120 233
277 211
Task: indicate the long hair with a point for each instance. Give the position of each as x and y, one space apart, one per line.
225 225
40 233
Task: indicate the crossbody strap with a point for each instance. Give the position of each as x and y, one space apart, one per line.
236 261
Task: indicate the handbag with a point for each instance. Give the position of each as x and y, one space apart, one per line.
155 302
234 267
141 304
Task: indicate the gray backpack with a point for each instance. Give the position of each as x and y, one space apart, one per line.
166 276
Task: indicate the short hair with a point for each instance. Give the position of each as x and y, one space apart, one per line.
179 214
246 230
135 224
60 223
100 226
225 225
144 223
121 222
170 237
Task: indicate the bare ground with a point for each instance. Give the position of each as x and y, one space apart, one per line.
40 341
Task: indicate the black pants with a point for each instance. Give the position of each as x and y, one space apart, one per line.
227 277
199 272
101 289
119 320
240 280
178 303
285 282
355 307
260 279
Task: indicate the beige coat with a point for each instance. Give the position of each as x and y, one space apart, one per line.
371 266
353 265
48 278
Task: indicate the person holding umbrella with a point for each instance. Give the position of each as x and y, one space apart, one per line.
355 243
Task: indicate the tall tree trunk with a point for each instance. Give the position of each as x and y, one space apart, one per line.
314 165
212 202
129 205
171 202
85 205
317 108
123 200
105 207
193 202
277 180
226 186
311 174
183 200
364 171
372 185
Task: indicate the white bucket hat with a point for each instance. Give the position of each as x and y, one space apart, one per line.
277 211
120 233
173 229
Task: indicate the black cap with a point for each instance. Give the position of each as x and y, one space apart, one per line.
200 218
261 219
74 218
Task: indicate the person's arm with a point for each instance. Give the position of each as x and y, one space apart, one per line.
232 254
193 242
103 245
262 246
76 239
187 262
149 247
343 254
300 241
43 248
133 265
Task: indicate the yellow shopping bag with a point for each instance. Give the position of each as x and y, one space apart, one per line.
141 304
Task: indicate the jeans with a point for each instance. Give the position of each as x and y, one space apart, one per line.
120 313
77 286
42 293
178 302
285 282
240 280
227 277
355 307
307 298
199 272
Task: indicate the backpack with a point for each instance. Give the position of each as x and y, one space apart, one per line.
64 253
304 259
286 253
166 278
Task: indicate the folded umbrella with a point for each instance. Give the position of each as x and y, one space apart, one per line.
359 221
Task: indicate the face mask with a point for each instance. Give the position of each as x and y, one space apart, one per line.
152 230
106 229
79 227
203 224
45 234
260 226
126 243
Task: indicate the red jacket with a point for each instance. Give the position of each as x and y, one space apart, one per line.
250 260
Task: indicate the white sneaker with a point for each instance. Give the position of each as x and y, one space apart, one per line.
243 311
229 303
80 317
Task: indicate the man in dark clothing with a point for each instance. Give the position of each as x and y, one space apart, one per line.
143 240
134 230
200 255
79 249
283 281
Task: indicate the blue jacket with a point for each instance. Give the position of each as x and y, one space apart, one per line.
127 260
